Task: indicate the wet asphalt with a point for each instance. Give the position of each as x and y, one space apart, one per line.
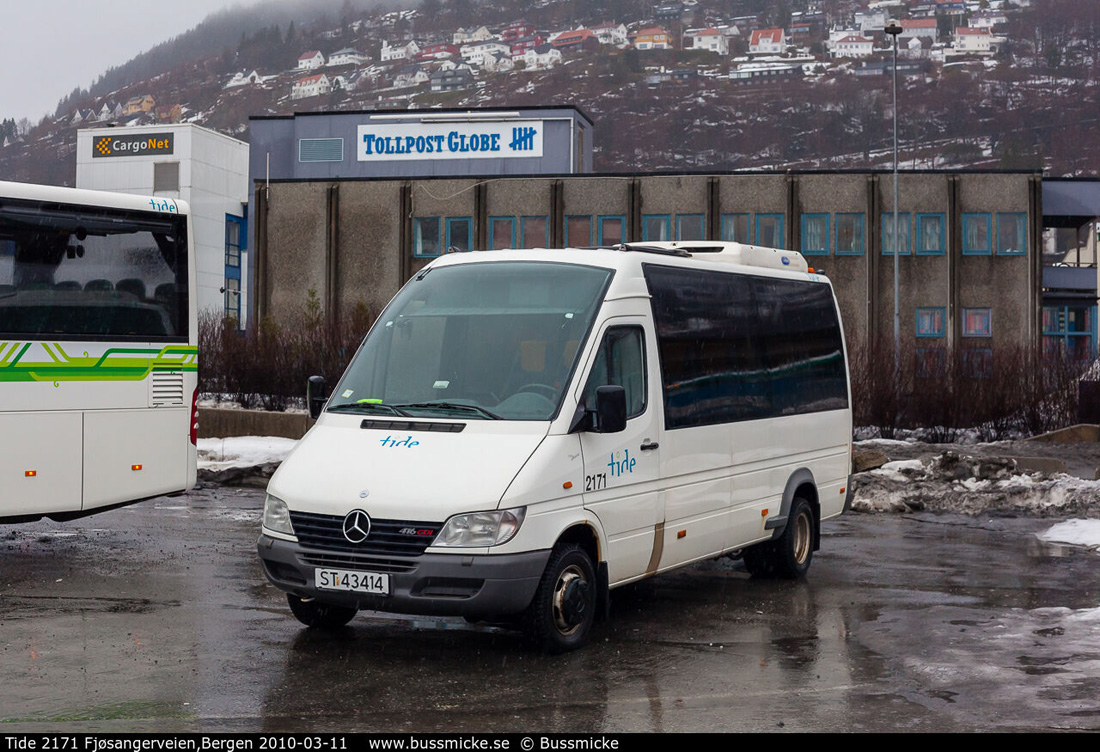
156 617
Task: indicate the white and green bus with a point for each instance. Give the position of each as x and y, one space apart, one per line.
98 351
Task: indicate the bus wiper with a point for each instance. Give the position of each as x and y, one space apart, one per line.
454 406
358 407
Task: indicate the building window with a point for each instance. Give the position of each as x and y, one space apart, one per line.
166 176
930 234
233 299
536 232
849 234
460 234
233 236
235 242
690 227
321 150
1068 332
1011 234
978 362
735 228
656 227
611 230
889 244
578 231
929 362
976 239
502 232
977 322
426 236
815 234
930 322
769 230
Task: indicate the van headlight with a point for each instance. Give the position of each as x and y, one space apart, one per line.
480 529
277 516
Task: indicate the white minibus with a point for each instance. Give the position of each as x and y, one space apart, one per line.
98 355
523 431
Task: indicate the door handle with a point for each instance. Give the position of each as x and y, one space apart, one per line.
647 445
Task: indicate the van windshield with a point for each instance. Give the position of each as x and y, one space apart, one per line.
494 340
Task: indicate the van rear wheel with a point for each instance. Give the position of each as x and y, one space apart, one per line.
319 615
789 555
564 608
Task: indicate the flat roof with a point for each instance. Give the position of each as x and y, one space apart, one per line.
414 114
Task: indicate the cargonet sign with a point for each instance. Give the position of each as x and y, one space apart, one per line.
132 145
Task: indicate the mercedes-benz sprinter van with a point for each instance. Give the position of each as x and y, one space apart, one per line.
524 430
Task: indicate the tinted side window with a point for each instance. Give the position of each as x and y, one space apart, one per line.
620 361
736 347
706 339
802 346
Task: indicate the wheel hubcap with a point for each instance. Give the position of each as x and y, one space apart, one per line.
802 538
570 601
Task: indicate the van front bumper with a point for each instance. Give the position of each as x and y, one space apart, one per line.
475 586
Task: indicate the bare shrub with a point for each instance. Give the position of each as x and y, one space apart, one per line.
268 365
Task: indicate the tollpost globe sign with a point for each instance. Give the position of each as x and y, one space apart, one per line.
414 141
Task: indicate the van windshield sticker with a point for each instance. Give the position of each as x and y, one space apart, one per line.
347 393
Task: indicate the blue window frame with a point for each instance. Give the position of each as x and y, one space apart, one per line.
690 227
1069 332
578 230
236 240
611 229
849 234
929 362
769 231
502 232
535 231
930 321
425 237
656 227
931 234
460 234
735 228
815 234
888 244
977 322
1011 234
976 234
978 362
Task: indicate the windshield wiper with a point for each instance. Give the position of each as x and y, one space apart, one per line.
358 407
453 406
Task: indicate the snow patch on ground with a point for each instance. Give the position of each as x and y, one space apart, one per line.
243 451
1076 532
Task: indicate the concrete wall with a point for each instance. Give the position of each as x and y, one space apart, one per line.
372 220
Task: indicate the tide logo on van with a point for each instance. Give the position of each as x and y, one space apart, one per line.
621 463
406 442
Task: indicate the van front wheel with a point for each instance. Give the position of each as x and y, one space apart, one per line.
561 614
319 615
789 555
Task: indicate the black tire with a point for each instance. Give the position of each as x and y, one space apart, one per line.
564 608
320 615
789 555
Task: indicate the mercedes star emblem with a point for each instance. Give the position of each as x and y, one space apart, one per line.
356 526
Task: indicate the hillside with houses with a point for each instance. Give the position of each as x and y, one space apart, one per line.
696 84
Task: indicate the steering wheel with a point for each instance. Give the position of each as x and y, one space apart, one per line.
543 390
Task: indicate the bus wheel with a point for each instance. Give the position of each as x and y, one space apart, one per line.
318 615
789 555
561 614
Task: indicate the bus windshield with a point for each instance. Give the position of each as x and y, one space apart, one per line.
494 340
91 273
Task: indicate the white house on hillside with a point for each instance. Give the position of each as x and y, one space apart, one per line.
767 42
465 36
610 33
918 28
477 53
346 56
399 51
710 40
971 41
311 86
543 56
311 60
853 46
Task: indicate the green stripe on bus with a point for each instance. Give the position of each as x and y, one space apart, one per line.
116 364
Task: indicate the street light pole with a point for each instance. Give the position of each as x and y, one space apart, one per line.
893 28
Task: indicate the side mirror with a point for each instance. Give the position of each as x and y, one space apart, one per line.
316 395
610 409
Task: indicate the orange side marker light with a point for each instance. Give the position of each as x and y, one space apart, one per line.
568 484
681 534
30 473
135 467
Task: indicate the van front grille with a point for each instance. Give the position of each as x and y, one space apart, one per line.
386 537
359 563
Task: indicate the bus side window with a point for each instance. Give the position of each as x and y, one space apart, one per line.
620 361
